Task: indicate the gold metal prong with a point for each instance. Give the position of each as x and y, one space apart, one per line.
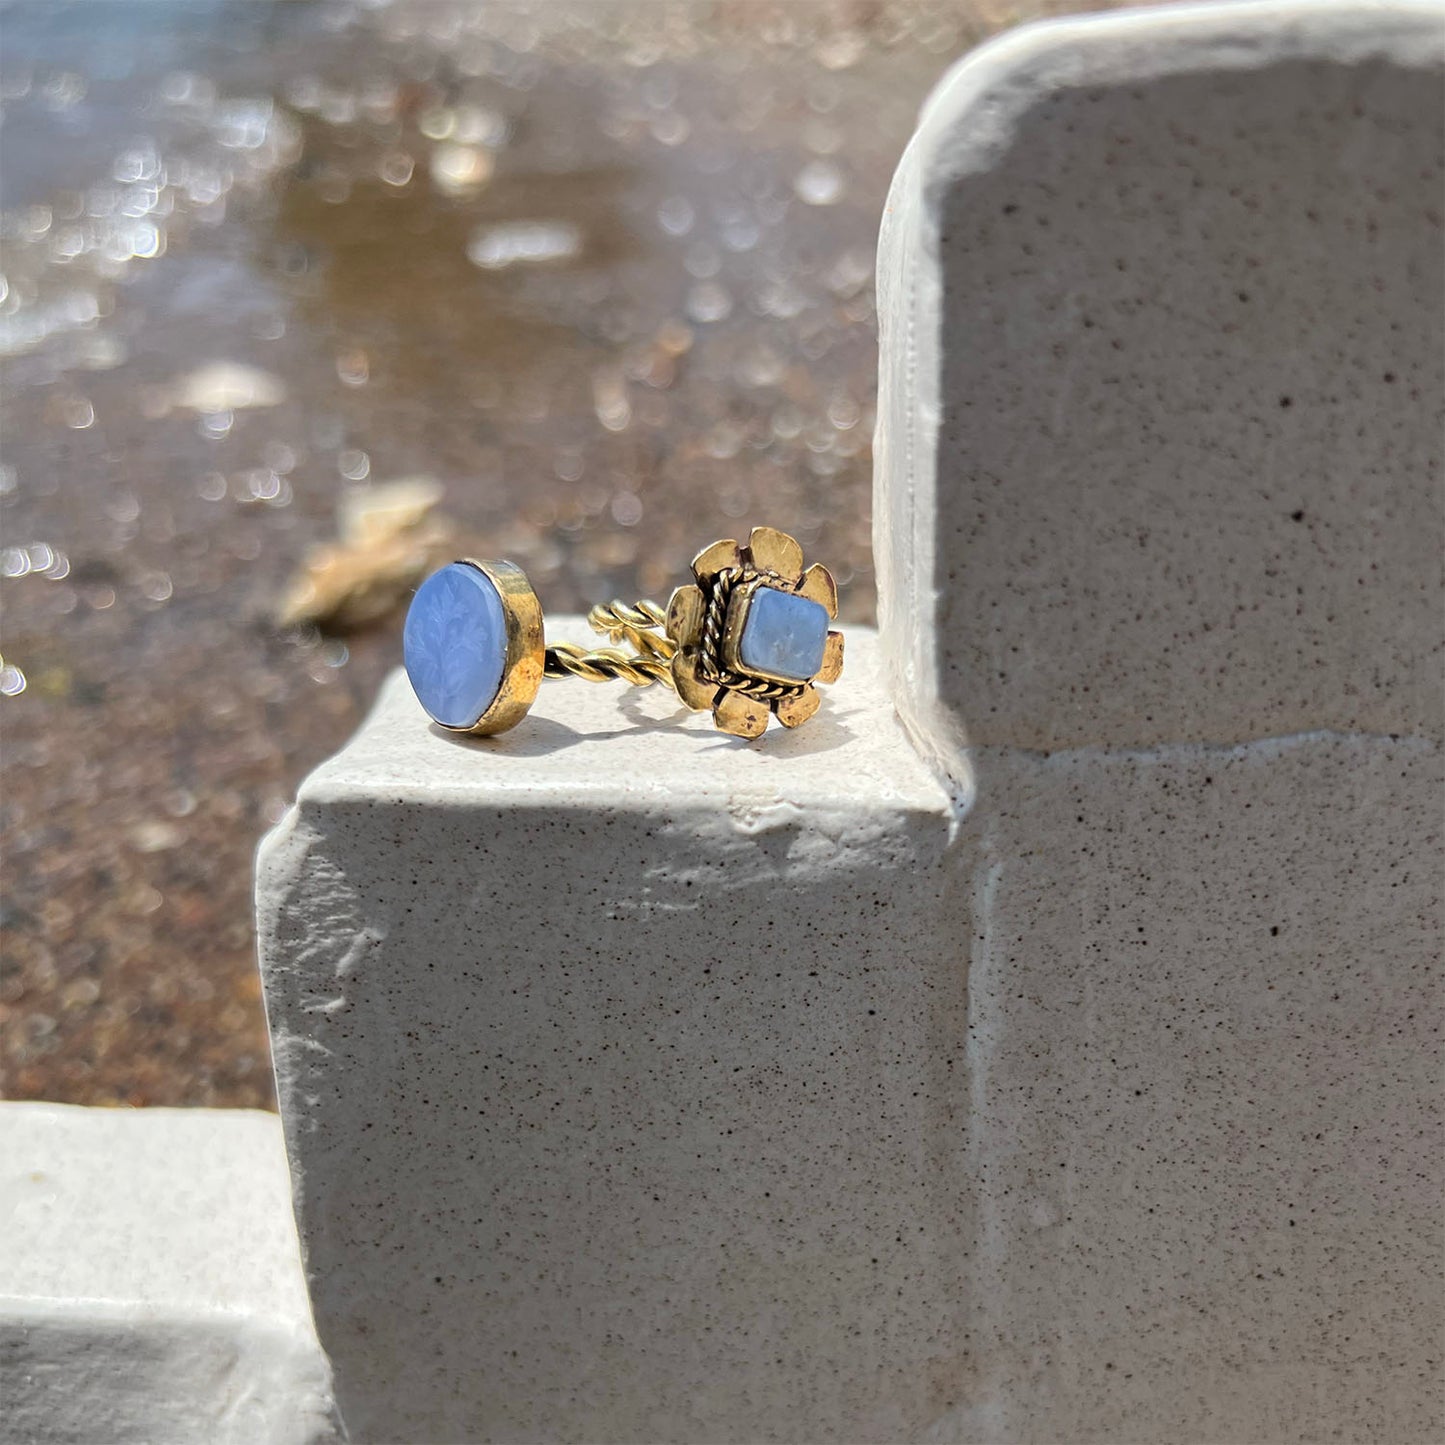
522 670
798 707
775 551
741 715
832 658
818 586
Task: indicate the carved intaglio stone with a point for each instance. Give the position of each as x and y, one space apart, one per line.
456 644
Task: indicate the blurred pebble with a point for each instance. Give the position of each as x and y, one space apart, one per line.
389 540
524 243
227 386
820 183
460 170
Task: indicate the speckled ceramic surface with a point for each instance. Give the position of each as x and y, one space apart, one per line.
1158 533
1205 1112
1161 305
621 1070
150 1285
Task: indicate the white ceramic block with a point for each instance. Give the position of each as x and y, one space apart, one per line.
1205 1132
641 1083
1158 534
622 1070
1161 376
150 1282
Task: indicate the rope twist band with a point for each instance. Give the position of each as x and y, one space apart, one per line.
640 626
650 662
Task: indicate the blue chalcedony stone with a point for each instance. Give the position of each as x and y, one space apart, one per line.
455 644
784 635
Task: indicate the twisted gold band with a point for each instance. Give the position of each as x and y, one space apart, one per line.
649 663
606 664
639 625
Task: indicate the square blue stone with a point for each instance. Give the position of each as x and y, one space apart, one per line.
783 635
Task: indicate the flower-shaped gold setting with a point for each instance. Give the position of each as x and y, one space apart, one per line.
706 619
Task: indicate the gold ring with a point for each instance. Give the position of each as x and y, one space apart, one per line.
752 634
748 638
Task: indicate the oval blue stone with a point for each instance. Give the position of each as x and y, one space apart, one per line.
455 644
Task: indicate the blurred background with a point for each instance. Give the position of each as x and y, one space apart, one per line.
302 297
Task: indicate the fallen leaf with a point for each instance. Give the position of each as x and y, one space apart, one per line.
389 540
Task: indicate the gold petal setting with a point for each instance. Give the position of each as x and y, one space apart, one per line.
818 585
692 690
741 715
798 707
717 558
773 551
832 659
741 705
684 614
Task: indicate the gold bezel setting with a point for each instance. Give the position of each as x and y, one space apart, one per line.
522 666
740 604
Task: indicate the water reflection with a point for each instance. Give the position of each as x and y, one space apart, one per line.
427 293
603 271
